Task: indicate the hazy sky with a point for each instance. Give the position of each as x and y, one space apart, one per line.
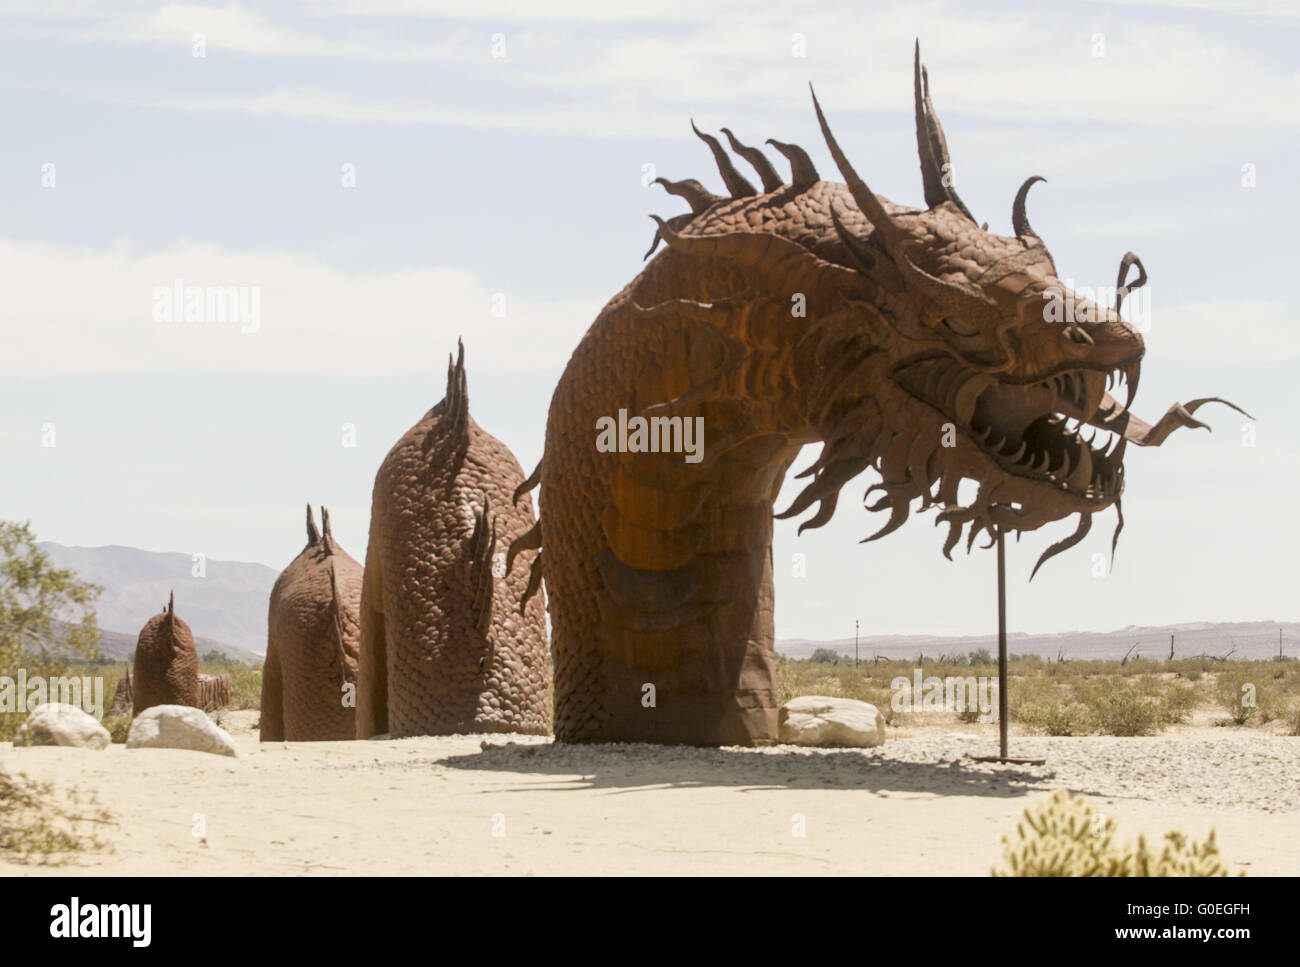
498 152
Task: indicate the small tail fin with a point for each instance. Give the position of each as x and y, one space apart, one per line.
456 402
327 538
482 581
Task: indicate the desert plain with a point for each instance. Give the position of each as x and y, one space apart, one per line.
507 804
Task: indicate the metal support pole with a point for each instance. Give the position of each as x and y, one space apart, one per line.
1002 664
1002 647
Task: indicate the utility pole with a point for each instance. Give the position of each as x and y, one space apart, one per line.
855 642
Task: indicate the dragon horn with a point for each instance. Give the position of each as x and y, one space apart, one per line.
771 180
737 184
696 195
868 203
803 173
931 144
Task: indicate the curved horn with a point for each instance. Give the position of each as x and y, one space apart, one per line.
1019 220
736 183
696 195
867 202
1121 288
674 223
771 180
803 174
931 144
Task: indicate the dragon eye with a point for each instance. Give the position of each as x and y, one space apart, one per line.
1077 335
950 324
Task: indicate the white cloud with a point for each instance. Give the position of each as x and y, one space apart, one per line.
76 310
1284 9
1225 331
599 120
633 63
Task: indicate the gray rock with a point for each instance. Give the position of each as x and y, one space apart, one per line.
55 723
178 727
821 720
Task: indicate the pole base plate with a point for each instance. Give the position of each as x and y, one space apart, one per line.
1007 759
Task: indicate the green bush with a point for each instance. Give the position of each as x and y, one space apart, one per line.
1122 709
118 726
824 656
1057 718
36 825
245 687
1065 837
1237 692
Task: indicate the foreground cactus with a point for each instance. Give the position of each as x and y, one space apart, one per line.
1065 837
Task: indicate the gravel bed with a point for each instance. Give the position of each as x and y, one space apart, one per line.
1260 772
1245 771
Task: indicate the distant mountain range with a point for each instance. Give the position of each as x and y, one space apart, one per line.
226 608
120 646
1251 639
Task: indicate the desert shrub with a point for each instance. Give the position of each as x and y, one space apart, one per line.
118 726
1065 837
1291 718
1015 658
786 683
245 687
1057 718
824 656
220 661
1236 691
970 713
34 595
35 825
1031 690
1174 700
1121 709
1177 702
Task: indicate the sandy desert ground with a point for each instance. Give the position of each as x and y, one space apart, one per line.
521 805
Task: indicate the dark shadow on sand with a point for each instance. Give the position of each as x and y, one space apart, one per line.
620 767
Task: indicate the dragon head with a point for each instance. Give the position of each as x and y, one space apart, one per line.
940 352
987 366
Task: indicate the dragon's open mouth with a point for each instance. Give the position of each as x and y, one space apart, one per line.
1052 431
1062 430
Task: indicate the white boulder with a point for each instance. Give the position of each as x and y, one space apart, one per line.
178 727
55 723
822 720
